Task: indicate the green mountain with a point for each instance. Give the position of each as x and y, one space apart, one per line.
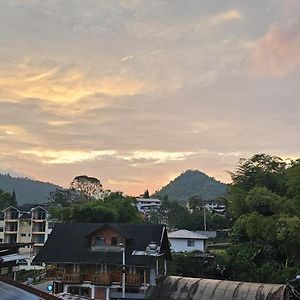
27 190
193 183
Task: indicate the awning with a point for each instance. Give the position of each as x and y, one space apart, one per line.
12 257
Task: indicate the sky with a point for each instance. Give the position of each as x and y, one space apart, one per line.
134 92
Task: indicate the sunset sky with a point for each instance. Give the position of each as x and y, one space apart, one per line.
134 92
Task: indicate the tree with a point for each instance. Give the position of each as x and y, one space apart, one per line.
114 208
65 197
260 170
6 200
146 195
88 186
265 233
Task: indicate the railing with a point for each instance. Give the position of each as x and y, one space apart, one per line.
71 278
104 279
11 228
101 279
133 280
38 229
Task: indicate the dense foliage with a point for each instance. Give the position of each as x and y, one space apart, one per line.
179 216
264 202
7 199
193 183
114 208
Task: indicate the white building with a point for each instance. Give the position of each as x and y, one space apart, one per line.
145 205
32 225
187 241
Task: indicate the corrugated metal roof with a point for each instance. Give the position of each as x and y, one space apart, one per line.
178 288
186 234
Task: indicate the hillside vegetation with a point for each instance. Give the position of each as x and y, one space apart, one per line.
27 190
193 183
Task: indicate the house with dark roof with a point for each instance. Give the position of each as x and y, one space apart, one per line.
105 260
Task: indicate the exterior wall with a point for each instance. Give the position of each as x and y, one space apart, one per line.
24 231
107 233
180 245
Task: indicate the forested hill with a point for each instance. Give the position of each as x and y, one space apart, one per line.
193 183
27 190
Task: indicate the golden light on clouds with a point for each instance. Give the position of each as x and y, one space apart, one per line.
227 16
156 156
67 156
12 131
63 86
73 156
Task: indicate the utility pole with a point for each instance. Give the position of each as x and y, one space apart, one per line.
204 217
123 270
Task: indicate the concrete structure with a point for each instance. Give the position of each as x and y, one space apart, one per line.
27 224
146 205
177 288
187 241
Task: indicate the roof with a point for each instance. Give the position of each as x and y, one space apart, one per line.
186 234
70 243
25 216
172 287
148 199
9 208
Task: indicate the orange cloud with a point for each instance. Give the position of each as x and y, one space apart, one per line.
278 52
62 86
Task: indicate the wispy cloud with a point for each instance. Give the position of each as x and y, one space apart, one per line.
62 85
68 156
224 17
156 156
73 156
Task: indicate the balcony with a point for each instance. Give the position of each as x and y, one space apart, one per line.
71 278
101 279
11 217
11 229
133 280
37 230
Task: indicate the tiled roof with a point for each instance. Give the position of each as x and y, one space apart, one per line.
70 243
186 234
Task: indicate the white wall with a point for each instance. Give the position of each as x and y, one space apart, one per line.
180 245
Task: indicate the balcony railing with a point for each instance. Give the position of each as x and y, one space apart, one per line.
133 280
101 279
72 278
104 279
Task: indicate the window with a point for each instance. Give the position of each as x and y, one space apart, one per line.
99 241
1 229
23 234
190 243
115 241
29 234
1 240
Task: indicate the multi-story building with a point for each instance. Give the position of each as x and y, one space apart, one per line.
146 205
105 261
27 224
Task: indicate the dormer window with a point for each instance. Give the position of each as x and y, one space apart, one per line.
99 241
115 241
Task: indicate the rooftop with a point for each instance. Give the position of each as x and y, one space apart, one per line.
186 234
